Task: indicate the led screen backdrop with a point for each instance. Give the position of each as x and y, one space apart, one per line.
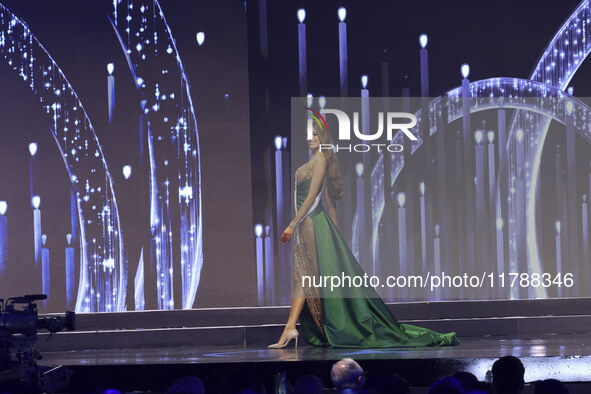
490 188
114 115
458 197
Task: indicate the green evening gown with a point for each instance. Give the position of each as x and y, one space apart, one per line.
360 320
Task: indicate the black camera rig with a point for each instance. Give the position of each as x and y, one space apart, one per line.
19 325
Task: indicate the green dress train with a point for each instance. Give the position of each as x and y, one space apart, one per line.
359 320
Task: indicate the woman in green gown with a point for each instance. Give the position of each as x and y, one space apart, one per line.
351 317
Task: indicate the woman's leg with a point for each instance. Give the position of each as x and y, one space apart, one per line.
303 250
297 304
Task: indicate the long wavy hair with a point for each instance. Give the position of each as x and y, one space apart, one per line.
334 182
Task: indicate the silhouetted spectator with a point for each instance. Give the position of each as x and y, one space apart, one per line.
447 385
386 383
187 385
468 380
508 375
308 384
550 386
347 376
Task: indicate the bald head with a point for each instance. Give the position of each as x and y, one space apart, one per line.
347 374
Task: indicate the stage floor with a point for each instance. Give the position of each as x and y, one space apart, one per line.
565 357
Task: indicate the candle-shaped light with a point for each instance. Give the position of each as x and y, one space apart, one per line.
3 238
70 272
303 68
467 171
458 192
364 105
437 259
423 39
269 267
32 152
365 123
342 14
425 123
359 168
200 37
279 183
424 66
33 149
500 253
45 277
558 254
585 222
111 90
126 171
365 242
278 142
36 202
465 69
423 226
401 200
258 232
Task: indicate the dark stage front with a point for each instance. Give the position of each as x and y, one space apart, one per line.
150 349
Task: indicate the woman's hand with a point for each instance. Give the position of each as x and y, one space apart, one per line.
285 237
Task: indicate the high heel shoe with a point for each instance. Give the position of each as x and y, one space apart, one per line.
292 334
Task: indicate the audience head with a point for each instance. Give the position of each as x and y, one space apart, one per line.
347 374
308 384
550 386
447 385
187 385
508 375
468 380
